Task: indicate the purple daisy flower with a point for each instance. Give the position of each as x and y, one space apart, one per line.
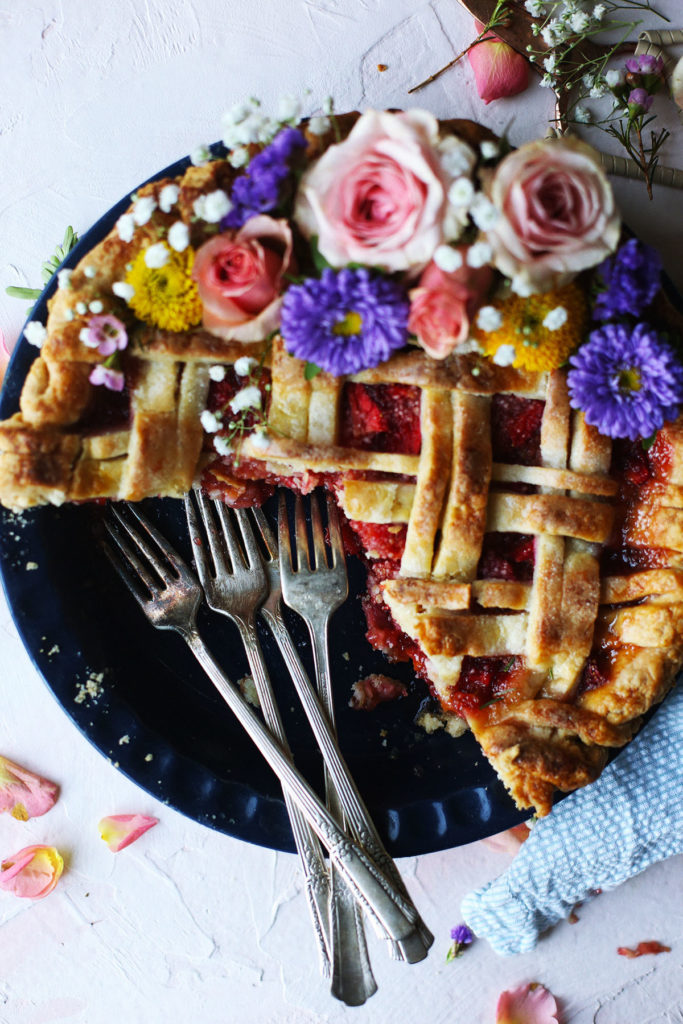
631 279
347 321
260 189
628 382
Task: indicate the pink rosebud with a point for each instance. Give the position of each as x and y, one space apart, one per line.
499 71
120 830
527 1004
114 380
32 873
645 64
24 794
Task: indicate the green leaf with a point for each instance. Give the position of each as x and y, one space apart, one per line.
311 371
647 442
15 292
319 261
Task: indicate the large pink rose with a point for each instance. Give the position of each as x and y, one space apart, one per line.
239 278
379 197
443 304
557 213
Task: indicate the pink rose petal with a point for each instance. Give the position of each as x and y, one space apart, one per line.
120 830
509 841
32 872
527 1004
499 71
23 793
4 356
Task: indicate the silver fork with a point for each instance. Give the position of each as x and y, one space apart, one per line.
315 591
169 595
235 584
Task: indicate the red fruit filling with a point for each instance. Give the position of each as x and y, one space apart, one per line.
381 418
516 429
482 680
375 689
507 556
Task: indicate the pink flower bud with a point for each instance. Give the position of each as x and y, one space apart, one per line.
499 71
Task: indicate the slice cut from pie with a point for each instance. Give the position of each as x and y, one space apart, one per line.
531 568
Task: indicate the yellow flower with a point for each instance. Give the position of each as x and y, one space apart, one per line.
539 332
166 296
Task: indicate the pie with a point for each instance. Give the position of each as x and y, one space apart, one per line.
530 566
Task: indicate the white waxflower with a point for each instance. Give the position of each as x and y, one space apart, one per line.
213 207
210 421
489 319
505 355
217 372
461 192
96 306
123 290
247 398
457 159
555 318
614 78
448 259
489 150
222 445
125 227
179 236
239 157
168 197
244 365
319 125
479 255
483 212
156 256
200 155
260 439
288 108
35 333
64 278
143 209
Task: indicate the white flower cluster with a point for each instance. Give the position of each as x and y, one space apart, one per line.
244 124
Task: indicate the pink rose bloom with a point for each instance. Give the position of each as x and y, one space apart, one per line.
378 197
239 276
443 304
557 213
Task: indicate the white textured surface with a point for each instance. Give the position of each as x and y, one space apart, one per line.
187 924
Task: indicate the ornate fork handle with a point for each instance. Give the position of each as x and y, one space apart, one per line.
380 897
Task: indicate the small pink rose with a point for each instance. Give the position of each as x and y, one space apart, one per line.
377 198
23 793
32 872
443 304
557 213
499 71
527 1004
239 276
120 830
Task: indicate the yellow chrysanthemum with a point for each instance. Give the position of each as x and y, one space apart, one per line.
166 297
539 332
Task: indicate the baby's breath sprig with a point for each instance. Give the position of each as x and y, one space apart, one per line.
500 16
244 413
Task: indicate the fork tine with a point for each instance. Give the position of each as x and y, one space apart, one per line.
220 565
250 545
236 553
162 570
302 558
199 550
320 553
335 534
284 540
266 533
131 581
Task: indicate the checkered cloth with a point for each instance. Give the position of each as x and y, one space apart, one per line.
594 839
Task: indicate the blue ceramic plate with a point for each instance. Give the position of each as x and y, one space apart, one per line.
138 695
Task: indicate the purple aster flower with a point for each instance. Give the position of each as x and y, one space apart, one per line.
462 937
645 64
631 279
640 99
347 321
628 382
261 188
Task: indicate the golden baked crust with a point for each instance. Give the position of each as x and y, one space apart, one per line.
590 647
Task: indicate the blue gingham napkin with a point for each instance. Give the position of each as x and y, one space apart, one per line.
596 838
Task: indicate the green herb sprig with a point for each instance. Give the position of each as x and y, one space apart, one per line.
48 268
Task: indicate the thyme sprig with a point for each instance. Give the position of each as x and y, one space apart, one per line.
48 268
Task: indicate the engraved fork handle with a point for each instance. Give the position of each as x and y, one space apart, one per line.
364 878
316 880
